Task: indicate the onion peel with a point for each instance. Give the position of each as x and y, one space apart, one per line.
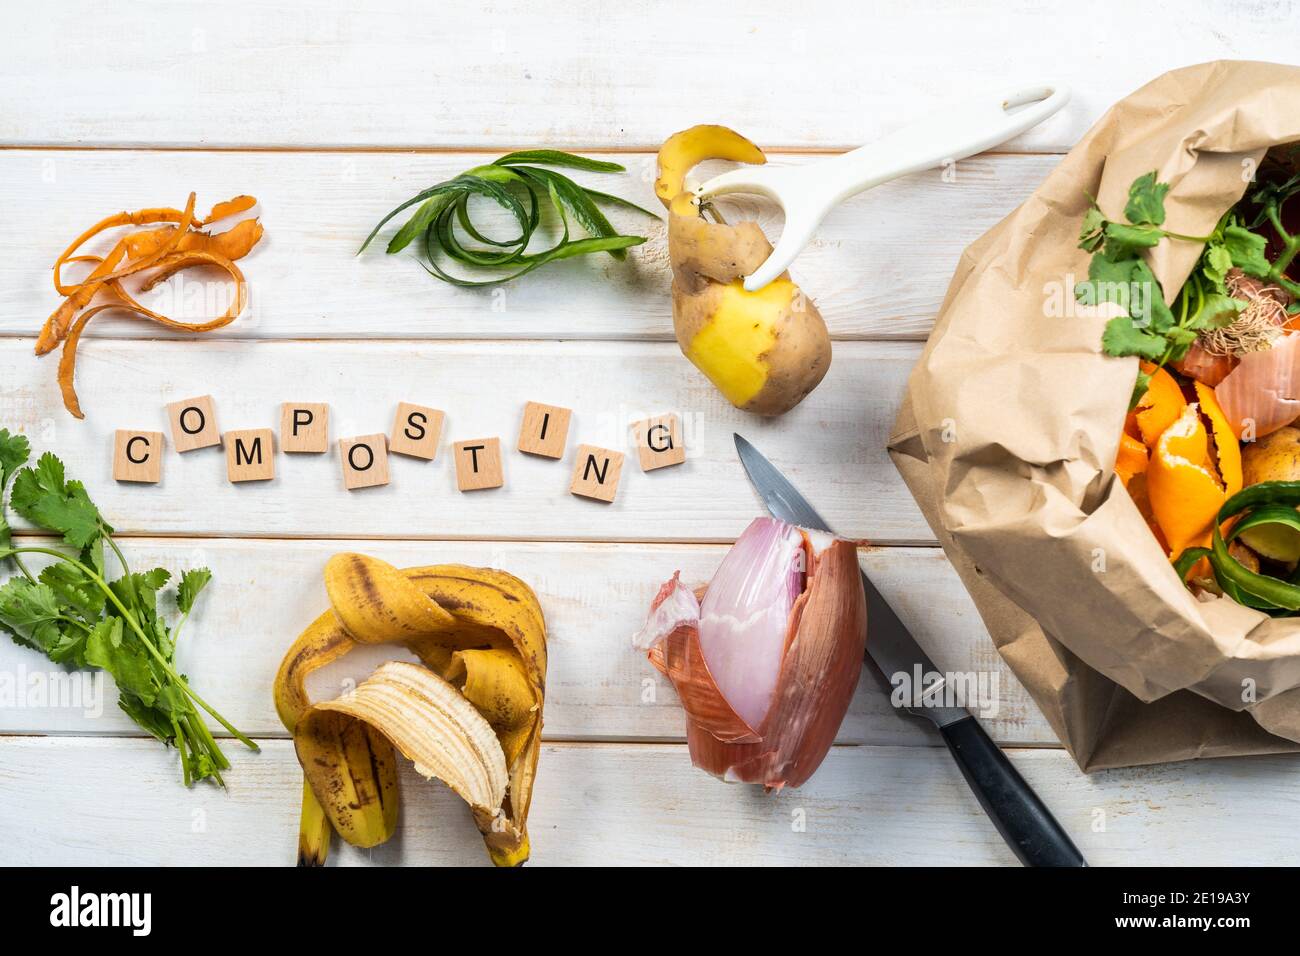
822 645
679 658
1262 394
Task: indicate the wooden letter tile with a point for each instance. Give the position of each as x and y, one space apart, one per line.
596 472
137 456
304 427
659 442
365 461
416 430
250 455
478 464
545 430
194 423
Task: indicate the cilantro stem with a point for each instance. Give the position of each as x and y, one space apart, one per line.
1274 213
4 523
116 550
176 631
200 729
139 632
180 746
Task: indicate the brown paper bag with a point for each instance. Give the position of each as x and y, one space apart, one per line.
1010 427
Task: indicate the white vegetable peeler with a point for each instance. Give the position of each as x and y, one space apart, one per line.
807 193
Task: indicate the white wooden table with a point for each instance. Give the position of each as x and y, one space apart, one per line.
331 114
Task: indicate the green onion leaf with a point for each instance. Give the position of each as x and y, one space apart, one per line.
516 182
555 157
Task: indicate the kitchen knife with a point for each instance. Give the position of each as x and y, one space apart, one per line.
1024 822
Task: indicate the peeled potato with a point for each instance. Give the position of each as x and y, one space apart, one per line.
765 350
1275 457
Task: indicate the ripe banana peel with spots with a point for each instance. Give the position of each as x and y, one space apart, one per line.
469 714
764 350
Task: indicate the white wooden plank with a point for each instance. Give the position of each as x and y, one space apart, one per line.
878 267
406 73
594 597
624 804
833 444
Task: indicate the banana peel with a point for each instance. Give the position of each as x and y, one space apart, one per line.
481 638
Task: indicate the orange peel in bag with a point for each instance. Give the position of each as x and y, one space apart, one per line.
1185 494
1227 448
1160 406
1132 459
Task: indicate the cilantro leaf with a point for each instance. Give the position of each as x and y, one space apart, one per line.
14 451
1123 337
1126 242
1180 339
1217 311
1146 200
1216 264
192 583
155 579
1247 251
13 455
42 496
150 719
1108 282
126 661
1147 299
1093 229
139 592
70 647
74 590
31 613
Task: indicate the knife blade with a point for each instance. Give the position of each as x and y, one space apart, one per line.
1016 811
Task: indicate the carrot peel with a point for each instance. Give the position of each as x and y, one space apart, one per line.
155 255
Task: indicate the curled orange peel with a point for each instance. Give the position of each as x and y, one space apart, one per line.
162 252
1185 494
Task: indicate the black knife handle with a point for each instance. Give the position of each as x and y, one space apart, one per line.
1024 822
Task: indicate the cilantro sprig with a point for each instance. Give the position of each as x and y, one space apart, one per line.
510 182
74 614
1118 274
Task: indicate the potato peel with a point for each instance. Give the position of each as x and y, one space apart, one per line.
155 254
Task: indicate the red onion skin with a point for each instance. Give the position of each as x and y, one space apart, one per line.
827 640
1205 368
678 658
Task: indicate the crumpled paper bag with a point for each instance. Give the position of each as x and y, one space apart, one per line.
1009 430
